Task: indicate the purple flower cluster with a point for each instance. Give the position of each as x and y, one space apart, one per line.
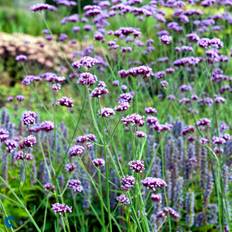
144 71
133 119
76 150
127 183
153 183
87 79
85 62
75 185
61 208
65 101
29 118
42 7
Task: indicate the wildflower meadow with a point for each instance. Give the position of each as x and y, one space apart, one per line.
116 116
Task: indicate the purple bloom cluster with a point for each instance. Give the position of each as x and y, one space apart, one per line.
75 185
144 71
61 208
76 150
86 62
133 119
42 6
127 183
87 79
29 118
153 183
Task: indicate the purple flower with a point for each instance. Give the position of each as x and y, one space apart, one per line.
150 110
46 126
143 70
166 39
156 197
21 58
4 134
99 92
187 61
123 106
20 98
76 150
218 140
141 134
125 31
127 182
98 162
87 79
65 101
61 208
137 166
21 156
70 167
86 138
49 187
106 112
123 199
193 37
92 10
42 6
168 211
126 97
29 141
66 2
98 36
29 118
153 183
86 62
204 122
11 145
133 119
75 185
187 130
152 121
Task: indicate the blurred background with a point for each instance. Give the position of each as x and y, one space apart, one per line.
21 32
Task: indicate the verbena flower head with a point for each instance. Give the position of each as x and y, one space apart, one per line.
29 141
123 199
86 62
133 119
137 166
49 187
106 112
46 126
42 7
203 123
99 162
153 183
99 92
156 197
127 182
87 79
75 185
76 150
29 118
4 134
21 58
11 145
140 134
86 138
65 101
70 167
150 110
61 208
168 211
123 106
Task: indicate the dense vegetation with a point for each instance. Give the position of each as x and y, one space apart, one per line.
131 130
